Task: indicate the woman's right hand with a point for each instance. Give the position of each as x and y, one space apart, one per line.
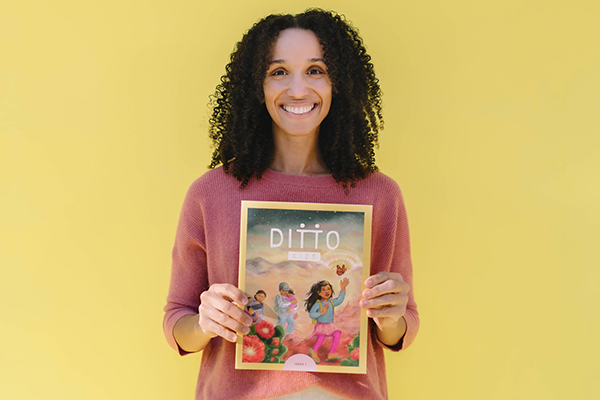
219 313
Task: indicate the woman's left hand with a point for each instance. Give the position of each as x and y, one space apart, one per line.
385 298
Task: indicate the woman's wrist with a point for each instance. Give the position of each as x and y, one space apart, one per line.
391 335
189 334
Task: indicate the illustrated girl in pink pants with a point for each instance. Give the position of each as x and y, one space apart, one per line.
320 307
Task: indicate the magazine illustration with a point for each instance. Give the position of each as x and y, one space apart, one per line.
302 267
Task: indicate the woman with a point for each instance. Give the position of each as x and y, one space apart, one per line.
295 119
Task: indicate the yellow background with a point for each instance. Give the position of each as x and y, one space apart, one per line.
492 131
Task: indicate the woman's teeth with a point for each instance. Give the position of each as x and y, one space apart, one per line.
298 110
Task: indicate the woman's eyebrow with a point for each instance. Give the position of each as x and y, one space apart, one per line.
281 61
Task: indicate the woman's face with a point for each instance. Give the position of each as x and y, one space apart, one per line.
325 292
260 297
297 88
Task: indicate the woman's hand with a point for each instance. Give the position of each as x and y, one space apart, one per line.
219 314
385 299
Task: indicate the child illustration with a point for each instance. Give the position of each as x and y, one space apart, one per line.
320 307
291 298
256 307
286 313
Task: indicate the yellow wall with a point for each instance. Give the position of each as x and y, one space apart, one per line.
492 131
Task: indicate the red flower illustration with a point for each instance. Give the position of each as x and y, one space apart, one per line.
254 349
355 355
265 329
275 352
275 341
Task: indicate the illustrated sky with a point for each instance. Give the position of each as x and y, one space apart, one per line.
349 225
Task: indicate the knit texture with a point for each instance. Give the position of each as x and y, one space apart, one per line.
206 251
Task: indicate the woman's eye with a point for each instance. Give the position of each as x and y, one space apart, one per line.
279 72
315 71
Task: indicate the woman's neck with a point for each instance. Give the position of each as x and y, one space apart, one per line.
298 156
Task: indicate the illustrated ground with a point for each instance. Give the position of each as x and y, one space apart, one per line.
301 346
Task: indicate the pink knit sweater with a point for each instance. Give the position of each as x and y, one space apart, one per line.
206 251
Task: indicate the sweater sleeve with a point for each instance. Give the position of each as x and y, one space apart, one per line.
189 276
392 254
340 299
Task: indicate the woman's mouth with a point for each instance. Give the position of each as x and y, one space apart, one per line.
299 110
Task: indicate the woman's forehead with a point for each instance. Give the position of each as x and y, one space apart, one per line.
296 45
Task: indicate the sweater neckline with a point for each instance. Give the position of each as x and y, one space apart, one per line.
298 180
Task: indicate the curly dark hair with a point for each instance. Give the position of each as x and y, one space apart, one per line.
241 127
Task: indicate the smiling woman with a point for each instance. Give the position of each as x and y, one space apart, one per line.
295 119
297 88
333 57
298 97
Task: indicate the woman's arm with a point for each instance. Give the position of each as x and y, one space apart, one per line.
188 335
391 335
388 296
219 314
385 299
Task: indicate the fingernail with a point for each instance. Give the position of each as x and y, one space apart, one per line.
363 304
369 282
366 293
246 330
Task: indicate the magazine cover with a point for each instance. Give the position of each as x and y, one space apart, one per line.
302 267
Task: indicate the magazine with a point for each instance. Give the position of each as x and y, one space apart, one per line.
303 267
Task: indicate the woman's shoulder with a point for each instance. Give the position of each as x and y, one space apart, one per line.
379 188
383 181
213 189
214 179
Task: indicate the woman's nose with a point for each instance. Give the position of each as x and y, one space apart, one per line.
298 87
